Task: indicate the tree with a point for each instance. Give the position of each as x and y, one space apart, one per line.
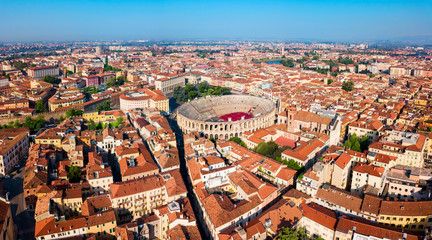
356 146
61 118
111 68
20 65
51 79
346 61
17 124
70 113
288 62
203 87
353 143
91 125
40 106
27 122
116 82
119 123
364 143
348 86
192 94
292 164
316 57
74 174
329 81
238 141
95 90
235 139
189 87
266 148
106 106
293 234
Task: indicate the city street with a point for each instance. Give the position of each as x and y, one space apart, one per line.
23 220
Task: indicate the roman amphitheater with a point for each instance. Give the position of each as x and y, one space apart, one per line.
227 116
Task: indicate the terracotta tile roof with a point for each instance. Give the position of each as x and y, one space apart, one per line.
365 168
221 210
343 160
135 186
174 182
403 208
283 213
184 232
339 197
371 204
319 214
367 228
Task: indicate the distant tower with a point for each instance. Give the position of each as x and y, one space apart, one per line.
282 51
290 118
98 51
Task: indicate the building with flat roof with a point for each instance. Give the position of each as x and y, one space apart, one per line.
144 98
40 72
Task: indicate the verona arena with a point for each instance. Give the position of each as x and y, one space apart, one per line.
223 117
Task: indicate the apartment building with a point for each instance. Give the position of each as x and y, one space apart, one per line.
40 72
365 175
408 147
409 215
409 182
14 145
318 221
169 84
138 197
369 128
65 98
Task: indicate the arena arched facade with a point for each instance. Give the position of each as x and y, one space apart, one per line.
223 117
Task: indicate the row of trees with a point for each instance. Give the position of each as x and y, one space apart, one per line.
111 68
346 61
51 79
119 123
190 92
73 113
32 124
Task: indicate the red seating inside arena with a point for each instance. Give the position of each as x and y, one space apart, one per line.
235 116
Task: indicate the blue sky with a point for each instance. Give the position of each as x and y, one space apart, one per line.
41 20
